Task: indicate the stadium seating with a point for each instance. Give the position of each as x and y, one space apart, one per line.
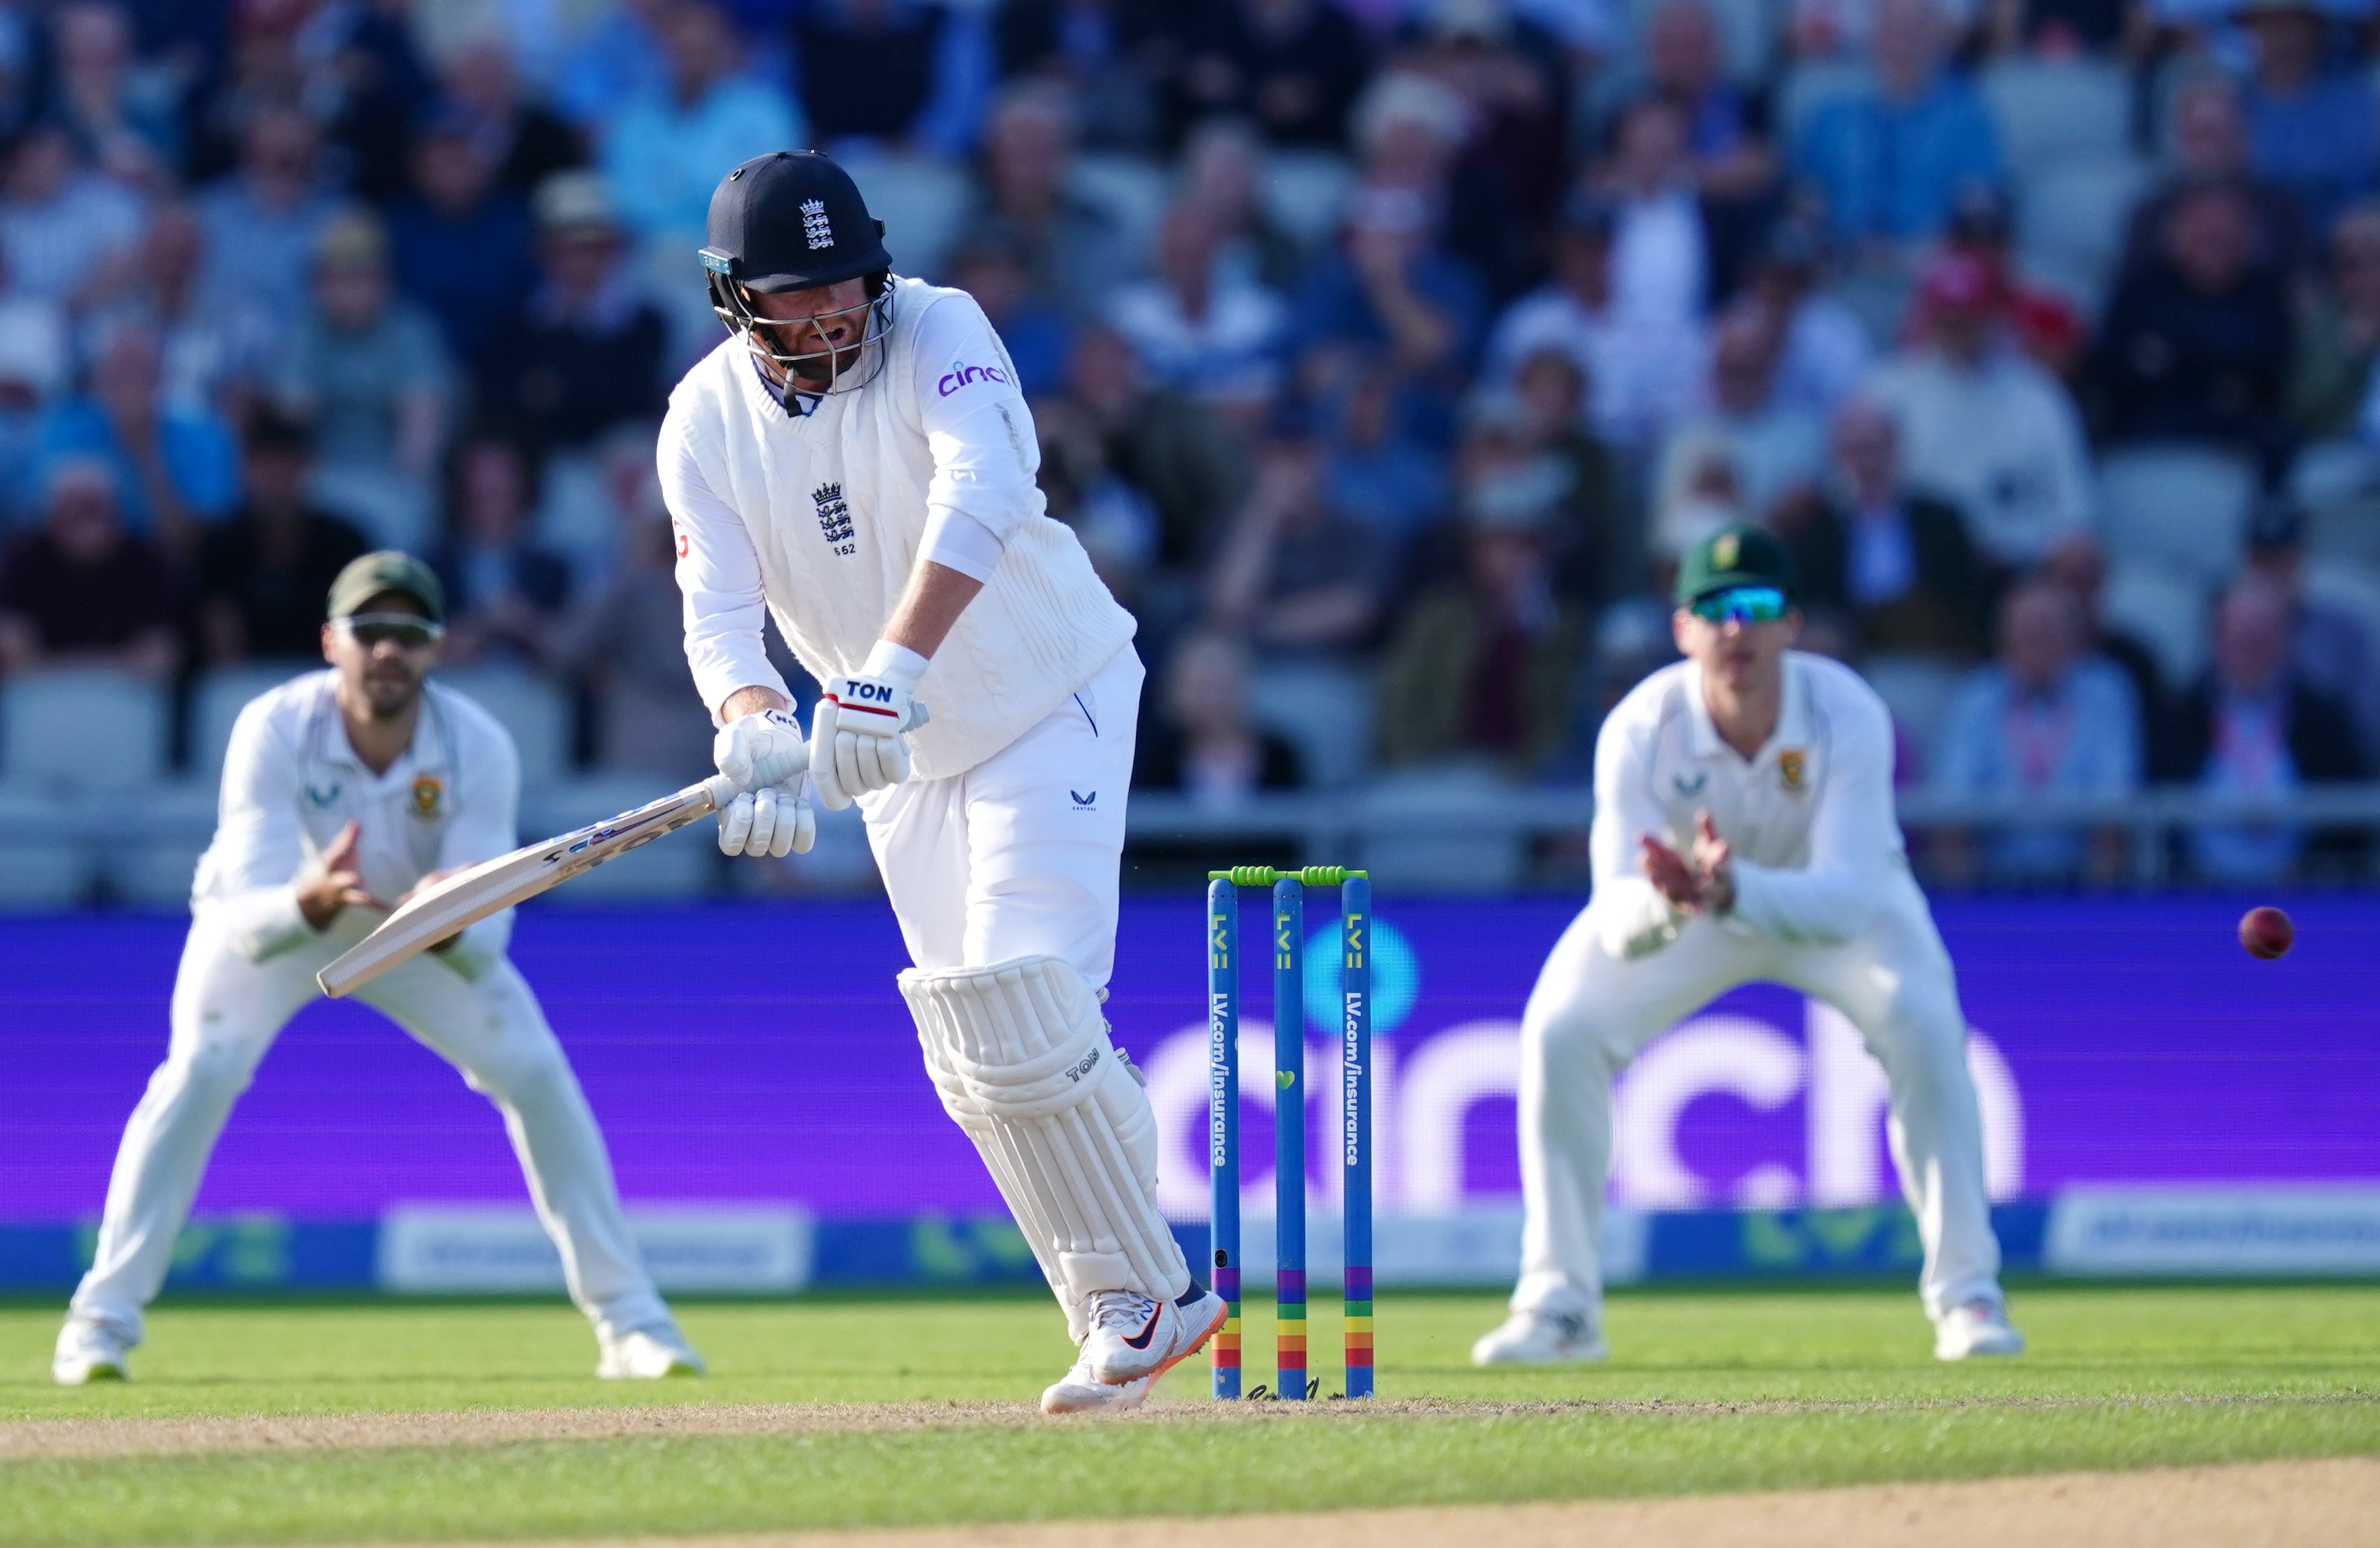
1321 708
1414 840
2183 506
2164 608
74 731
2052 112
1916 688
2338 485
2071 217
216 700
154 870
534 710
37 873
921 201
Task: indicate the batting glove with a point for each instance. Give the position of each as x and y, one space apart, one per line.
762 749
771 822
859 739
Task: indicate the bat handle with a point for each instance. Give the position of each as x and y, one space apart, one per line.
723 791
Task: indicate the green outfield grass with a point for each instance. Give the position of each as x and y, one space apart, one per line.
1753 1391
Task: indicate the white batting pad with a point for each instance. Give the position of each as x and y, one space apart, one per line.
1020 1053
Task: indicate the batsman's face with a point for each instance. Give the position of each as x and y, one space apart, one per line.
1745 655
823 326
383 654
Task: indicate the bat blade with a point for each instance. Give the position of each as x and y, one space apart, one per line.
471 895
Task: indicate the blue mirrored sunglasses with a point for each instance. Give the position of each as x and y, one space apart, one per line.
1741 604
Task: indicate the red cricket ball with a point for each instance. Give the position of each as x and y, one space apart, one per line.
2267 932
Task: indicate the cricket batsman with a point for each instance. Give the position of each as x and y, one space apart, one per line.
1744 831
343 791
856 459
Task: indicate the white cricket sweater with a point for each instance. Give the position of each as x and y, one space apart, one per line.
1809 818
819 520
291 780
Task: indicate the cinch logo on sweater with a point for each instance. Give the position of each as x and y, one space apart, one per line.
833 517
962 374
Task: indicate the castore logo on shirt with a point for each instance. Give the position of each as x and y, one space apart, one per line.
961 375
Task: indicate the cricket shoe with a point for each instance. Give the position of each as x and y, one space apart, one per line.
89 1352
648 1355
1976 1327
1541 1338
1079 1392
1134 1336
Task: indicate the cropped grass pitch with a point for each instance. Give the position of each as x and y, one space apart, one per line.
1710 1391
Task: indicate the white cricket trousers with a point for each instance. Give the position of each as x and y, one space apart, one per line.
227 1010
1019 855
1591 1012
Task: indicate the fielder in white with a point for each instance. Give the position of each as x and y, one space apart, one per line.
1744 831
341 789
856 460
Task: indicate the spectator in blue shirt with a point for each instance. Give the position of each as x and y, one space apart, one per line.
1199 327
461 242
1886 163
2043 719
174 464
616 61
669 147
2309 124
1377 470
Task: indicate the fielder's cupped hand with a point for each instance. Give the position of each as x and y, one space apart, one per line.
335 881
771 822
859 738
1702 883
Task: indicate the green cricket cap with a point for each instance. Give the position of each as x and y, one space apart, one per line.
1736 556
387 570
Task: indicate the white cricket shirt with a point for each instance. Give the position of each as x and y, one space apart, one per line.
818 519
291 781
1809 819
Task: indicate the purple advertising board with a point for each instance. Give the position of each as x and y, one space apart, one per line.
759 1054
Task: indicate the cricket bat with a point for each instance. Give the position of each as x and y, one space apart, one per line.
471 895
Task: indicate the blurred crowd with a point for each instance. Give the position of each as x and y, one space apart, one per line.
1385 353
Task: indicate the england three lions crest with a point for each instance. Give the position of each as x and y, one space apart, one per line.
834 517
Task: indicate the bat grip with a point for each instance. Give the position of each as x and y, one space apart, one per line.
723 791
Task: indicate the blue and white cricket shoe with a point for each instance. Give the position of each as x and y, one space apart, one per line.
1133 1336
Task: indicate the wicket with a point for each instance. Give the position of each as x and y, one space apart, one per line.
1289 1126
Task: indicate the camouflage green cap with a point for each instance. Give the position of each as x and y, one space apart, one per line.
387 570
1735 556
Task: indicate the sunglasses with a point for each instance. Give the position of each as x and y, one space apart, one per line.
368 629
1741 604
